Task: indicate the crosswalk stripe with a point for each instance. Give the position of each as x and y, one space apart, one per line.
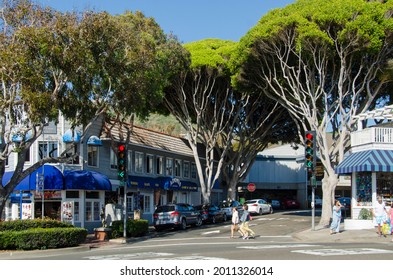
343 252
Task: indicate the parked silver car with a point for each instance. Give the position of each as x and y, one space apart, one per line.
178 215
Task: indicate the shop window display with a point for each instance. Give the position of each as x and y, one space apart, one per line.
364 189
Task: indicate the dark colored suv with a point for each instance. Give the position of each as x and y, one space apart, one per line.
178 215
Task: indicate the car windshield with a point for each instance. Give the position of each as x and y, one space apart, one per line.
165 208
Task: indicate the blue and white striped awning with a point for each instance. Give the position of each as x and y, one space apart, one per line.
371 160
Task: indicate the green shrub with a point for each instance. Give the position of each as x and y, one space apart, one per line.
42 238
365 214
18 225
134 228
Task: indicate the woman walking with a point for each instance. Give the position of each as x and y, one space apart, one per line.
335 226
235 222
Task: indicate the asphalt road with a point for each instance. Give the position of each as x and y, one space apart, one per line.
274 241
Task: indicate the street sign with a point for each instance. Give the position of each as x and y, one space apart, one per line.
251 187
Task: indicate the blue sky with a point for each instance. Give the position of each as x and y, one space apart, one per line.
189 20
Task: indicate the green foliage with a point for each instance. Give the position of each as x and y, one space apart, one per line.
18 225
41 238
212 53
365 214
362 25
135 228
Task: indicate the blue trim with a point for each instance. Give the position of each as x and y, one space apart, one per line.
371 161
86 180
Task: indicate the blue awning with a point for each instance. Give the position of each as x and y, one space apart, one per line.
72 136
94 141
22 186
144 182
175 184
371 160
86 180
53 179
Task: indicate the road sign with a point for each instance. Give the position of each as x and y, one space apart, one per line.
251 187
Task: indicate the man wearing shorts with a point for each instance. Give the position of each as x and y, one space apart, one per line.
379 211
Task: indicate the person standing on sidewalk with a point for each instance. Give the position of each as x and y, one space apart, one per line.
336 217
379 211
235 222
244 227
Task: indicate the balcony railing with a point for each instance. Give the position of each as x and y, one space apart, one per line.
378 137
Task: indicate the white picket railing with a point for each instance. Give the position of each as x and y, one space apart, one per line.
372 135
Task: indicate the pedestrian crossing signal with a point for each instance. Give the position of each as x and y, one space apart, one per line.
121 161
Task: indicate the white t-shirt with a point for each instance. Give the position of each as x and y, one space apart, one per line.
235 217
379 209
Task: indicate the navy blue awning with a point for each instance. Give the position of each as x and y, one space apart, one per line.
172 183
144 182
371 160
86 180
53 179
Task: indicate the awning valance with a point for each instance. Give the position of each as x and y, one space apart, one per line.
86 180
371 160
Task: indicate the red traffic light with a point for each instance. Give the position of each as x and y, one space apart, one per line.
309 136
121 148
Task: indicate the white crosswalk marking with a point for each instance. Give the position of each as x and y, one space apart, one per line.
278 246
343 252
130 256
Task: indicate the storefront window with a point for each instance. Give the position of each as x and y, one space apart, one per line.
76 210
92 211
89 211
146 204
385 187
364 189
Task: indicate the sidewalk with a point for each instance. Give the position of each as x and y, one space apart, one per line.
322 234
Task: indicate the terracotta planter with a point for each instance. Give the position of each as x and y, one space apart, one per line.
102 233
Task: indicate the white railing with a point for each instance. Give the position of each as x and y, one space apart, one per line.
372 135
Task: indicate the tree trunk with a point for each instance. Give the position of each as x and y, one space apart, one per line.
329 184
232 190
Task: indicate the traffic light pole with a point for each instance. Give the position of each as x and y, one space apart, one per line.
313 202
125 210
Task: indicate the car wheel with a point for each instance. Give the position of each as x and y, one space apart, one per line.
260 211
225 218
198 222
183 224
158 228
